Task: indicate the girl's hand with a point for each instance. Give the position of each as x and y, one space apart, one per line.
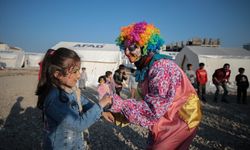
105 101
108 116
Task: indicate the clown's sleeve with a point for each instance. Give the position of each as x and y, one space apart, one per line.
164 78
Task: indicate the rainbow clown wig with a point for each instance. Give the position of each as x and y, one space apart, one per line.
142 34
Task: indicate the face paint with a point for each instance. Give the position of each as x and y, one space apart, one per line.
73 74
134 55
132 48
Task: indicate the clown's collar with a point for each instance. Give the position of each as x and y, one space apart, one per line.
144 61
144 64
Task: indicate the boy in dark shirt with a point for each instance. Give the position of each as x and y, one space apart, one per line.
242 86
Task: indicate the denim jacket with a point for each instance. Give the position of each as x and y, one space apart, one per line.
63 124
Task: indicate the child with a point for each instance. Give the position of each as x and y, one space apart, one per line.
83 79
242 86
191 75
110 81
201 75
132 84
119 76
57 98
103 88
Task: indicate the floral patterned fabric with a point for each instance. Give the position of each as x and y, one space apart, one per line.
159 89
170 108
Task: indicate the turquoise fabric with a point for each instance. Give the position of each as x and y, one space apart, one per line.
141 74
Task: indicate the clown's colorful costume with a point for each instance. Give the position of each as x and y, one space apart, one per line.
170 108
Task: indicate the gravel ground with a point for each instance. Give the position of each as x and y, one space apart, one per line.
224 126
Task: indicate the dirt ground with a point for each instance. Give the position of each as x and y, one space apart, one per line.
224 126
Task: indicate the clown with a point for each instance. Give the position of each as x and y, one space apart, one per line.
170 108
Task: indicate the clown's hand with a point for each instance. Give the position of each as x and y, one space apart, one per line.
108 116
120 120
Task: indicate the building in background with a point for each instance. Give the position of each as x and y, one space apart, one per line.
173 49
247 46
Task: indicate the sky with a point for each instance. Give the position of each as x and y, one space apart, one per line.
37 25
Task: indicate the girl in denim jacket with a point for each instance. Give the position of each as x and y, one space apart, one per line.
65 117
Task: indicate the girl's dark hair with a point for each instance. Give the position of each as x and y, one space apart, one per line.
102 77
60 60
108 73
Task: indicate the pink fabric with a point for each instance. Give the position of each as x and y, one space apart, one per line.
165 76
171 134
111 85
166 90
102 90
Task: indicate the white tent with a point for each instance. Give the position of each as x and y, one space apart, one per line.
11 59
214 58
96 58
32 59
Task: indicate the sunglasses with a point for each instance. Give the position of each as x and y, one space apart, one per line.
132 48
